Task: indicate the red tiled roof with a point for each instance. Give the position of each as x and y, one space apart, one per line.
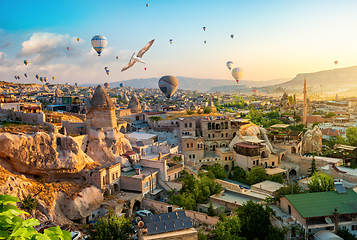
128 153
246 145
331 132
315 118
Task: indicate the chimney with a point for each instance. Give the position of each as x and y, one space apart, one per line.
160 154
137 171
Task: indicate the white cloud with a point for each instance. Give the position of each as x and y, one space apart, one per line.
48 46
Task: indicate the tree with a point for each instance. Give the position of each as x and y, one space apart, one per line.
218 171
111 227
330 115
207 110
256 175
29 203
345 234
210 211
291 99
316 123
277 178
297 118
321 183
287 190
190 112
255 222
14 227
351 135
312 168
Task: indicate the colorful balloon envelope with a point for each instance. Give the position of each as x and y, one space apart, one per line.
205 41
117 57
53 78
15 77
336 62
106 85
105 68
107 71
232 36
121 84
237 74
78 39
18 77
37 76
230 65
26 62
204 28
67 48
168 85
25 74
41 79
99 43
171 41
145 69
147 5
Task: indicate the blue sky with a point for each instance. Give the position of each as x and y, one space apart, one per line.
273 39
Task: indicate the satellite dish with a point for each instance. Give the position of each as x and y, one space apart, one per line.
138 219
328 220
140 224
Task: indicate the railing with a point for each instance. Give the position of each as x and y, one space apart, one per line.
174 167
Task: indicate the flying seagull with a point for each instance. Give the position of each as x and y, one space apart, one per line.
138 57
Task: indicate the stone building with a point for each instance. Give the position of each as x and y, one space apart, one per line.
284 105
134 104
193 147
188 126
101 110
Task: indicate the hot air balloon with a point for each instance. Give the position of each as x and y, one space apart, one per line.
232 36
45 79
105 68
26 62
237 73
78 39
53 78
255 91
171 41
117 57
230 65
145 69
335 62
99 43
147 5
168 85
18 77
121 84
25 74
204 28
15 77
205 41
107 71
67 48
37 76
76 84
41 79
106 85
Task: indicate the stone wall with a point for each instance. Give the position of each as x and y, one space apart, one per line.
101 118
230 186
32 118
131 184
284 203
74 127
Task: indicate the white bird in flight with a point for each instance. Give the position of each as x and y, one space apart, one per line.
138 57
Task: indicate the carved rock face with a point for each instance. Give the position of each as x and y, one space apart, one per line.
312 141
39 154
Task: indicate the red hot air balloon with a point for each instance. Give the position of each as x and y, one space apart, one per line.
67 48
335 62
145 69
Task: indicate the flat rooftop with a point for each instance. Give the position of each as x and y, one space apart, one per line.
268 185
240 198
280 126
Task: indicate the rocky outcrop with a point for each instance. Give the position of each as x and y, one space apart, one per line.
284 105
134 104
43 153
106 145
312 141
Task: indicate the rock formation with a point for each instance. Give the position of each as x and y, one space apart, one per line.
284 105
312 141
212 106
42 153
134 104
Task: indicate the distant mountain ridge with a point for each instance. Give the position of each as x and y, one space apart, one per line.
202 85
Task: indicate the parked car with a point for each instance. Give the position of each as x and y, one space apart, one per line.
75 235
143 213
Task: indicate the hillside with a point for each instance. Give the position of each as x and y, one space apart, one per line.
202 85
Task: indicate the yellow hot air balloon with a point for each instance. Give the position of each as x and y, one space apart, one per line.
26 62
78 39
53 78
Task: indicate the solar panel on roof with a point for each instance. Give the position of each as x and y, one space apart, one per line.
155 218
181 214
339 188
160 226
187 222
169 225
172 215
146 219
178 224
164 216
151 228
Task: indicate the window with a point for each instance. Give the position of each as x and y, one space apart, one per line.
190 124
354 227
116 175
198 145
226 134
188 145
289 209
193 156
253 162
209 135
113 176
222 135
175 175
209 126
213 135
201 145
272 163
191 145
185 125
225 158
146 184
189 156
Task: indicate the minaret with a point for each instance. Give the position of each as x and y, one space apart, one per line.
305 104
